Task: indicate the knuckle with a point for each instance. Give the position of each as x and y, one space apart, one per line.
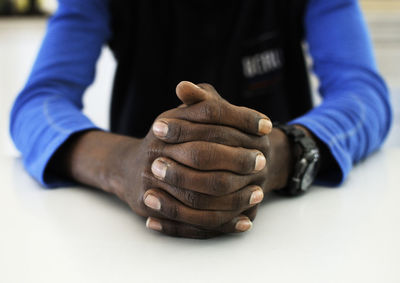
208 111
178 134
220 184
220 137
238 201
217 219
249 114
245 161
171 211
206 86
191 199
208 154
202 154
212 111
175 178
195 156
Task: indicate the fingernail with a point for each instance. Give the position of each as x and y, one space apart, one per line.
256 197
159 169
160 129
152 202
243 225
153 224
264 126
260 162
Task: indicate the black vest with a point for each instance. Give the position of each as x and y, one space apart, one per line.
251 51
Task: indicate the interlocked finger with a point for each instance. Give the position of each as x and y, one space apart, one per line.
240 200
214 183
213 156
175 131
179 229
206 106
162 205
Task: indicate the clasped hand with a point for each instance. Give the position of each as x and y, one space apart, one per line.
202 168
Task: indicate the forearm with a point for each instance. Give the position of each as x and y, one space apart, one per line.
349 127
47 112
354 117
91 158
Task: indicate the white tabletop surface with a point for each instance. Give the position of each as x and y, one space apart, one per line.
350 234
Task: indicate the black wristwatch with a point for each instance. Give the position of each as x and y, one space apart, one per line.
306 163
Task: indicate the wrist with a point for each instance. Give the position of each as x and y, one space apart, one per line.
94 158
120 159
306 159
280 159
86 158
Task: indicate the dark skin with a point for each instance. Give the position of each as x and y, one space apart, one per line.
201 171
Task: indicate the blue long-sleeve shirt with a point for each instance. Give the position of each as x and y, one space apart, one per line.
352 120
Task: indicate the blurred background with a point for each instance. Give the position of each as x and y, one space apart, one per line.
23 24
26 7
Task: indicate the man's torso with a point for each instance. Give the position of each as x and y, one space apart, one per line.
249 50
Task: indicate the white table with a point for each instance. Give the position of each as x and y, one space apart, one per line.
349 234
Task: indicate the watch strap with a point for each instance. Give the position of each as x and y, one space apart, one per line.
305 153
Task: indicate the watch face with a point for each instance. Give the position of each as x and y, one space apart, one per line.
309 176
311 171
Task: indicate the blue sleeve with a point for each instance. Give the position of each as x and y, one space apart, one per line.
355 115
48 109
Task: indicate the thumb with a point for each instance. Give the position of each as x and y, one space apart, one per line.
189 93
